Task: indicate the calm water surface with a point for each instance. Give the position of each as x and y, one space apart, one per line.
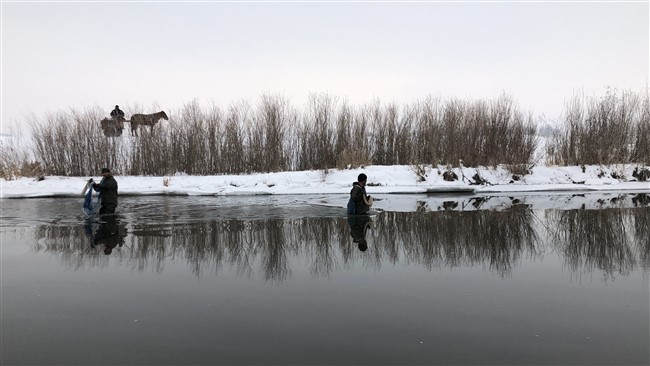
279 280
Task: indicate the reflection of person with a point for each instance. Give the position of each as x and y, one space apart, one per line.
359 225
108 234
107 189
117 114
359 202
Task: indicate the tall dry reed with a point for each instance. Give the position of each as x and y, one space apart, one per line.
612 129
272 135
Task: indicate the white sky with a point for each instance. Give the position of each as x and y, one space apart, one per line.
80 54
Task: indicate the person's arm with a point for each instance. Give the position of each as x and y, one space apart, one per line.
367 200
96 186
105 185
93 185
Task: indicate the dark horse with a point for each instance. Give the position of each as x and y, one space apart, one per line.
112 127
146 120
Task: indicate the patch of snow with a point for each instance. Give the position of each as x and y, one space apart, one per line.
395 179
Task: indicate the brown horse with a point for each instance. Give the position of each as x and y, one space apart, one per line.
112 127
146 120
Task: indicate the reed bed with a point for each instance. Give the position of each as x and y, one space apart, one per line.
328 132
15 160
272 135
612 129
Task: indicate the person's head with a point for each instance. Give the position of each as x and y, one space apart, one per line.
117 107
108 250
362 178
105 172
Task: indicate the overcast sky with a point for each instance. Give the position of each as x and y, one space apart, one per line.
79 54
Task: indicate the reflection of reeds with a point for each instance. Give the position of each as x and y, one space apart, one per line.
601 239
450 239
274 249
611 240
642 234
70 243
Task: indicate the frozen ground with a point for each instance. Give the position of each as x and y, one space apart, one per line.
381 180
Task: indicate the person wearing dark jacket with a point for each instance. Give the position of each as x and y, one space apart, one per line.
117 114
358 198
107 189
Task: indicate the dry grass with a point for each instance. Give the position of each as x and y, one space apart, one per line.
271 135
613 129
15 160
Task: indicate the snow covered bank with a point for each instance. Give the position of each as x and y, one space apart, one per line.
381 180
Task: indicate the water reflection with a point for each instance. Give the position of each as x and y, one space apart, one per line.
611 240
107 233
641 200
449 238
642 227
359 225
615 241
591 239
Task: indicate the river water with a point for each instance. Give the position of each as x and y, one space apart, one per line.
286 280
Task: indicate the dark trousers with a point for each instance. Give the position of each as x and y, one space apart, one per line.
107 209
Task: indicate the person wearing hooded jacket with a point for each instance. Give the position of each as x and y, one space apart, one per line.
358 197
117 114
107 189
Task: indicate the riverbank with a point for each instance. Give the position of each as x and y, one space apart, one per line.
396 179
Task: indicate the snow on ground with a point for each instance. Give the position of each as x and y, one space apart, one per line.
381 180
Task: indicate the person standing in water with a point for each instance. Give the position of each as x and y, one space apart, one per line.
107 189
359 202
